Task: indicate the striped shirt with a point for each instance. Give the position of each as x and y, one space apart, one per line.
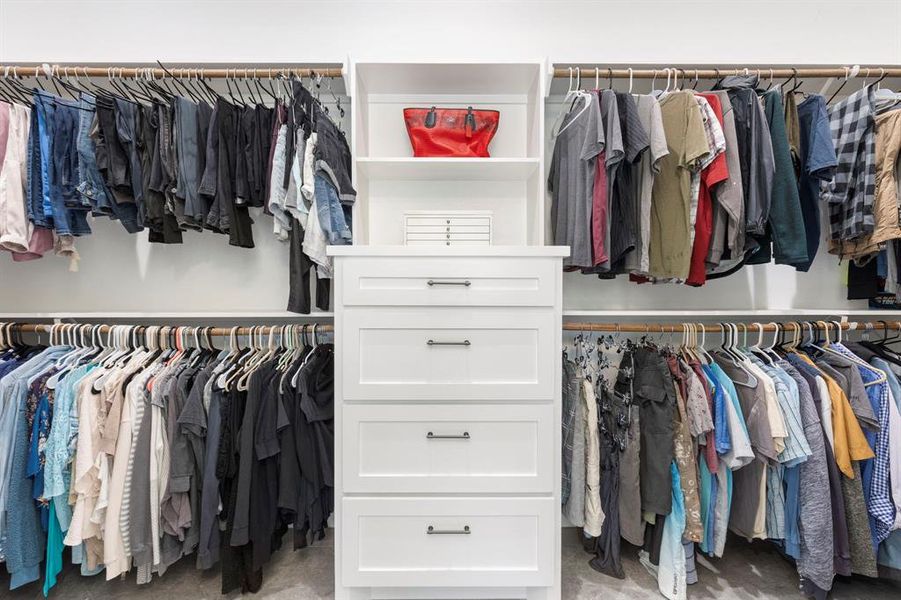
797 450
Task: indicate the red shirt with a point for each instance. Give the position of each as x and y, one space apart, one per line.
599 210
716 172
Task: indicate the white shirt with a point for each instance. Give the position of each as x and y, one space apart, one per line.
594 514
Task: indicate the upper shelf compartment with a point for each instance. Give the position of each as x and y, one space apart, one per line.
447 78
383 90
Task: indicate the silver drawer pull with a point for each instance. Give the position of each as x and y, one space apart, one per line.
432 531
432 282
463 343
463 436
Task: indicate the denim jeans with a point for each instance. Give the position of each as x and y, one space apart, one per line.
90 182
332 155
34 195
57 117
331 212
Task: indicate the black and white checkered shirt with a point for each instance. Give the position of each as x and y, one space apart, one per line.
852 190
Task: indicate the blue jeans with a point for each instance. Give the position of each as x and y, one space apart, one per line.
34 194
90 182
331 213
57 128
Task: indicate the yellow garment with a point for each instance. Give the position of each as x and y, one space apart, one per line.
850 443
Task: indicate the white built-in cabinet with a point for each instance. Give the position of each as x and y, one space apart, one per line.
447 421
447 395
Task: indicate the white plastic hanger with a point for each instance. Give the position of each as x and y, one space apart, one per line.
576 95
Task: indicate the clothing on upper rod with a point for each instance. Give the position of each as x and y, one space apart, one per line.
171 164
135 453
709 182
796 443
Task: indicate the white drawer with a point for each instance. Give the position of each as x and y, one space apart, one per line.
449 281
420 353
386 542
441 448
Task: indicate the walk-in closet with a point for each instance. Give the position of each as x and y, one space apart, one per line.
450 299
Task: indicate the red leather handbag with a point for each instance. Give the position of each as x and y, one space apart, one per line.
450 131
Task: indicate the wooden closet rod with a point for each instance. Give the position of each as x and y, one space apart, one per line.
715 73
716 327
177 72
213 331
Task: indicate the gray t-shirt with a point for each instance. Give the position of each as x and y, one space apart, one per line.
729 205
571 179
649 166
613 158
815 514
208 544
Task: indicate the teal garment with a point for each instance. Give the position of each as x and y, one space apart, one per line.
785 225
704 484
59 452
708 485
671 570
54 562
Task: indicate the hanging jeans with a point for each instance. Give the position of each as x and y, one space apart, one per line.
299 269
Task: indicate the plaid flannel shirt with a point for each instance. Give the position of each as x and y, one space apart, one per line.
852 190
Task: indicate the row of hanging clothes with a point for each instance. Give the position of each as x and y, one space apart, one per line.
669 447
146 446
173 156
682 186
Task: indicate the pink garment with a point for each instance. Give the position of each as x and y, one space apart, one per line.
15 228
4 130
40 243
599 211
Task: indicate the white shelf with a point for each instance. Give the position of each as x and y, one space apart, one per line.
410 168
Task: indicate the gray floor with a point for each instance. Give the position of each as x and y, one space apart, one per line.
746 572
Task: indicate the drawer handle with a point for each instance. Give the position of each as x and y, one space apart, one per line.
432 531
463 343
465 283
465 436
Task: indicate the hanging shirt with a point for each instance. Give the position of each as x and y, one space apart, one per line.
670 235
851 191
714 172
818 162
571 179
728 236
786 223
625 228
671 571
649 166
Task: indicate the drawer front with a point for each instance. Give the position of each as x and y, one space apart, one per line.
439 448
420 353
447 221
449 281
442 229
472 542
450 242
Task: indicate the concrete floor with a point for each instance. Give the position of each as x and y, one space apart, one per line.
752 572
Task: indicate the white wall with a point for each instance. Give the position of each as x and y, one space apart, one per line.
124 273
